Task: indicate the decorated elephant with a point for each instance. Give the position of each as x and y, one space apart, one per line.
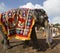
21 23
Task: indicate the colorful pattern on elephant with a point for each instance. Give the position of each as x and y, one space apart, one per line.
19 23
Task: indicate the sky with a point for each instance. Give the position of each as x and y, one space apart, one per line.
52 7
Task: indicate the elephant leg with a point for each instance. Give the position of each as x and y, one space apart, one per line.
26 43
5 39
6 42
34 39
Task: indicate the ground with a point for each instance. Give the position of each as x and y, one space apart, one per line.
17 46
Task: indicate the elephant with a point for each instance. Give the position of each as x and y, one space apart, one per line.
41 19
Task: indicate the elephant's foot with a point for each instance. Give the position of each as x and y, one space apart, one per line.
39 48
6 46
26 44
2 42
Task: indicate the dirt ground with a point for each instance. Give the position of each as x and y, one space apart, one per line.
17 46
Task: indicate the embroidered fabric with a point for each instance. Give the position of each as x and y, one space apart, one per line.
18 23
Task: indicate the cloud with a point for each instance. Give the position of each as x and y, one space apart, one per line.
2 7
52 7
31 6
55 20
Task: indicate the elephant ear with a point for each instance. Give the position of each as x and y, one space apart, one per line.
35 15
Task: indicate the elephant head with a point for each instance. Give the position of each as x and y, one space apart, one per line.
41 18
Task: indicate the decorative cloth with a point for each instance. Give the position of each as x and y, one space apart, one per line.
18 23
